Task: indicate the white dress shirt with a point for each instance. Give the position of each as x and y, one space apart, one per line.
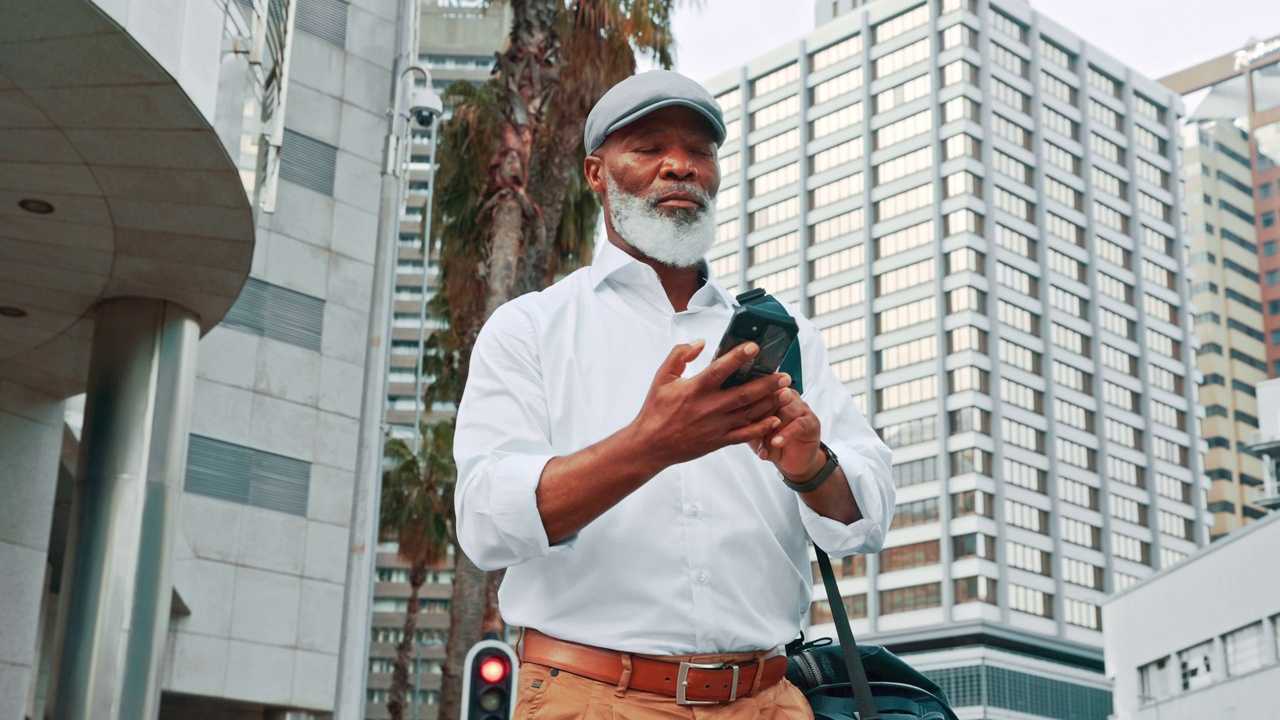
709 555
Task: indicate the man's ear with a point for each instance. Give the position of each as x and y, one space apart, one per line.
593 169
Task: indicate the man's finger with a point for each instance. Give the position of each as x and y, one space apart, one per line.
754 431
722 367
758 409
678 359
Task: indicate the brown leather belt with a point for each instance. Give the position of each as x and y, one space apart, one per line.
690 683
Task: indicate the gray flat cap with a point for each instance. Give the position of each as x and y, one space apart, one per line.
640 95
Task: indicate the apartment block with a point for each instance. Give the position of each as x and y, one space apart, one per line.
980 211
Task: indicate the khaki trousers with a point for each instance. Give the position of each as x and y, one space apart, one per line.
548 694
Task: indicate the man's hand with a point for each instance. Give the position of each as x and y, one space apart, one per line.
793 447
686 418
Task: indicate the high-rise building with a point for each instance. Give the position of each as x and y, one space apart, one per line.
1232 171
1244 89
980 212
457 41
191 223
1228 314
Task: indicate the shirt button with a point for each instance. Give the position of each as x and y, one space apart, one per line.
702 577
693 511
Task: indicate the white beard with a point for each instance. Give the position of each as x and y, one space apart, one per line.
680 239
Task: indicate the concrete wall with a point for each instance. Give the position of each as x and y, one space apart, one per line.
183 36
265 588
30 447
1228 586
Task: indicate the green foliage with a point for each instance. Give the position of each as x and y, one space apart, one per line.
417 495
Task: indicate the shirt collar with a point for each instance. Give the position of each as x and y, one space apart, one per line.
611 261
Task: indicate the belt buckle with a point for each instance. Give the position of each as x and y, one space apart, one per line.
682 683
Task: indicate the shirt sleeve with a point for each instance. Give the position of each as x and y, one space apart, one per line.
864 458
501 446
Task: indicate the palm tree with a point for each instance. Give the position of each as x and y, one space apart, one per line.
417 501
513 209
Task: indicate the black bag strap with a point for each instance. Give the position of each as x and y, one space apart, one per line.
852 659
791 361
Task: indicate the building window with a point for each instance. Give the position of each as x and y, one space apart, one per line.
901 58
838 226
1194 666
907 315
837 86
910 556
903 165
907 599
841 297
775 80
920 512
903 278
838 120
1025 557
975 589
845 152
1029 600
1080 533
907 393
855 606
776 112
900 23
838 262
1083 614
915 472
1060 123
846 333
1244 649
774 146
906 92
832 54
773 180
908 127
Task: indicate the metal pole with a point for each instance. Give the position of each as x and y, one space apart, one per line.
129 482
420 375
353 658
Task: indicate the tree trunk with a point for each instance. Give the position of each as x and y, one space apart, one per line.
553 165
528 73
400 682
466 613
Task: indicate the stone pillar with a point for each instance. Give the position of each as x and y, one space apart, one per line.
30 448
132 459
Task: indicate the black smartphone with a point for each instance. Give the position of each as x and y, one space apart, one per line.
773 330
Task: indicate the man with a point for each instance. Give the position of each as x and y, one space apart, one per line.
652 523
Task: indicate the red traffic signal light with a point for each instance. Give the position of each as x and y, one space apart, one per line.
493 669
489 681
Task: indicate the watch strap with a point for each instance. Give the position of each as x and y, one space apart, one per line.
816 481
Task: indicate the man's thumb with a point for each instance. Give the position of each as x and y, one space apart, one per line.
679 358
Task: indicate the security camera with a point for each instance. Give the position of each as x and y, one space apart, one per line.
425 106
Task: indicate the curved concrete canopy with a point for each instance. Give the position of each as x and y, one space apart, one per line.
146 201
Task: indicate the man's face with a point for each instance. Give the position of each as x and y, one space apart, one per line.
659 176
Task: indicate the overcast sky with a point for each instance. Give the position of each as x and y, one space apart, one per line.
1156 37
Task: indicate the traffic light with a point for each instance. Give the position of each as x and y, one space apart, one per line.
489 681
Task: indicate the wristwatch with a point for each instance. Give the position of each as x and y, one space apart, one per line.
816 481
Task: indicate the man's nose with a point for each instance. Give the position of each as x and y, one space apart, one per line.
678 164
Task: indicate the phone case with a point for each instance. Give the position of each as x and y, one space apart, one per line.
774 332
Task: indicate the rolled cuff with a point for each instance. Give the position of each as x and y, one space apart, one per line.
865 535
498 520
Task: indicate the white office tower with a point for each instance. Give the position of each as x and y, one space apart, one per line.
190 222
979 210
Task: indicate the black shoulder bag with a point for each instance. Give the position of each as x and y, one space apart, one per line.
868 682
